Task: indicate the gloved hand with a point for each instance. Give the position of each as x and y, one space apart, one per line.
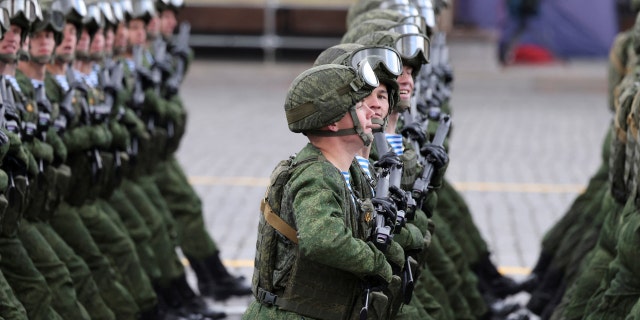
436 155
399 197
385 207
388 161
414 132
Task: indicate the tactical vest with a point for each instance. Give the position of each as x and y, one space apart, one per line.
307 290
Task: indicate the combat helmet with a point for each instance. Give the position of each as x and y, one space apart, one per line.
22 13
143 9
427 11
323 94
94 20
413 47
174 5
360 7
377 13
53 19
367 27
385 62
74 12
109 17
5 21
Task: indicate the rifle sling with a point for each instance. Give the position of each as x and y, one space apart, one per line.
277 223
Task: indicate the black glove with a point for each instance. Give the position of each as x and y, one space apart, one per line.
436 155
414 132
399 197
388 161
385 207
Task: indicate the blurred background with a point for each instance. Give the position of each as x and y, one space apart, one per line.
529 111
560 29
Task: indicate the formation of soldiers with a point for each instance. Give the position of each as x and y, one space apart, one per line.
93 203
361 223
589 265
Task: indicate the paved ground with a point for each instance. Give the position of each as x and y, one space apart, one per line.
525 141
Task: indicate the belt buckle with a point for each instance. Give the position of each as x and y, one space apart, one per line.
267 297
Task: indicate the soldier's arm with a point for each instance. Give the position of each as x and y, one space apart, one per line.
323 235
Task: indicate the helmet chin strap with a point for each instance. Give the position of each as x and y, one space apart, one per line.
367 138
8 58
66 58
41 59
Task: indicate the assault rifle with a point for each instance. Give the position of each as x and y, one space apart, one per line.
393 178
13 124
85 118
181 51
421 185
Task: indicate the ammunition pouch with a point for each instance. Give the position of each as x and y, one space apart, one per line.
81 179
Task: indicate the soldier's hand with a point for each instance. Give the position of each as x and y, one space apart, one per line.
399 197
386 207
436 155
388 161
414 132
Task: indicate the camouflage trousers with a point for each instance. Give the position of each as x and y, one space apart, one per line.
452 208
118 247
616 298
83 282
64 300
68 224
161 242
594 270
10 306
186 208
28 284
138 230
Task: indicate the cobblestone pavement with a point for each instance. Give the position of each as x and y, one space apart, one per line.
525 141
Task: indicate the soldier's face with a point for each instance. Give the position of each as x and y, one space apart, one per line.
378 102
42 43
405 81
97 44
11 41
68 44
364 117
122 36
154 26
169 22
137 32
108 40
83 42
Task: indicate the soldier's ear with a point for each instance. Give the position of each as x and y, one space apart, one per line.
333 127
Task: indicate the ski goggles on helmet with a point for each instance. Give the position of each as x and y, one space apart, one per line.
413 46
418 21
173 3
5 21
366 76
118 14
127 9
377 56
392 3
28 10
71 8
427 12
406 28
107 13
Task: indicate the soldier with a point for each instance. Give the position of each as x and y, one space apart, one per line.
317 271
185 205
67 221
